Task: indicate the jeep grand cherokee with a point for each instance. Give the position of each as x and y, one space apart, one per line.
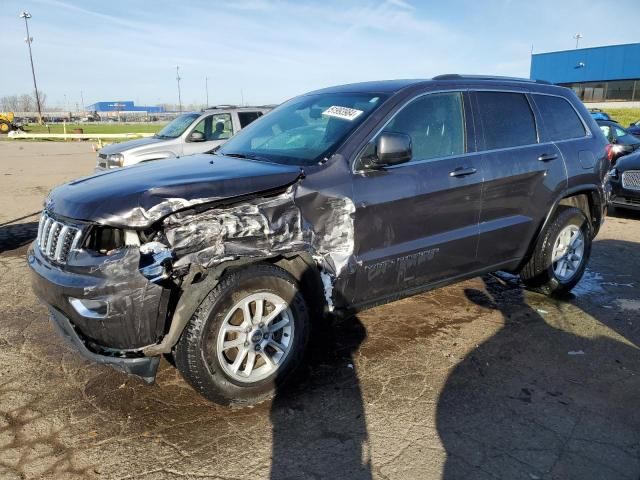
339 199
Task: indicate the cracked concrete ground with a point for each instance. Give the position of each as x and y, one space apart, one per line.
478 380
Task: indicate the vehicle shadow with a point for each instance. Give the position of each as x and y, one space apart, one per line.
319 427
17 235
624 213
536 401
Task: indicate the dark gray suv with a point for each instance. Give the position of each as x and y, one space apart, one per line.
337 200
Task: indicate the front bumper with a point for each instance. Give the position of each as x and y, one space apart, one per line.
623 197
143 367
136 316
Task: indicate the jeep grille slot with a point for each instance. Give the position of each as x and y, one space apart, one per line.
56 239
631 179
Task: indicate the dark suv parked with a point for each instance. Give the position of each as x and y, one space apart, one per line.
337 200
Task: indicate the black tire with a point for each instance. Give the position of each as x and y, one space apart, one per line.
5 127
538 273
196 353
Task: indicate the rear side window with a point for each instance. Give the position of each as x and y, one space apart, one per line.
507 119
247 117
560 119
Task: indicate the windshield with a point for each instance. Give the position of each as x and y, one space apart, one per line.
304 130
177 126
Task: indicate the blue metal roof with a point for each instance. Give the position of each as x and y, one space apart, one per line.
614 62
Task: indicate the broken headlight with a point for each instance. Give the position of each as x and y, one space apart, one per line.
106 240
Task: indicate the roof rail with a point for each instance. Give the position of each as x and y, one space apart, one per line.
218 107
457 76
226 107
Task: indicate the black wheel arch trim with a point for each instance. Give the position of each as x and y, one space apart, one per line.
593 191
198 282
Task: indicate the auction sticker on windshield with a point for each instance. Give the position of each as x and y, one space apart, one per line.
344 113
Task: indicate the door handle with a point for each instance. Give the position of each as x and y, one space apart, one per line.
546 157
462 172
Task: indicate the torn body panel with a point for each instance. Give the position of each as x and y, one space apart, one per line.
261 227
264 228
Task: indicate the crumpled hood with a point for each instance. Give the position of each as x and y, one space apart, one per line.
124 146
138 196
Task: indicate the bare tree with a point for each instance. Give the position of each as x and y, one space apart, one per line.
22 103
26 103
10 103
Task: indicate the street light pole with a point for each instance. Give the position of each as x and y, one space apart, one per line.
206 88
577 36
179 94
27 16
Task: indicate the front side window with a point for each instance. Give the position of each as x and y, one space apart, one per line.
304 130
221 127
215 127
435 123
559 117
177 126
507 120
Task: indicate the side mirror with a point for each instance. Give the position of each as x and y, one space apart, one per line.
391 148
196 137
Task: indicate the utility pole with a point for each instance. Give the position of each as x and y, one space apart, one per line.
206 89
82 100
577 36
179 94
29 39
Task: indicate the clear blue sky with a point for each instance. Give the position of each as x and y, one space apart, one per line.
273 50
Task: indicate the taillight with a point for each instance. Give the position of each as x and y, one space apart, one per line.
610 152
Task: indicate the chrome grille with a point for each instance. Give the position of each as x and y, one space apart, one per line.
56 239
631 179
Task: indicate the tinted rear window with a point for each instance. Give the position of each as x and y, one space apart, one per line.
247 117
507 119
560 119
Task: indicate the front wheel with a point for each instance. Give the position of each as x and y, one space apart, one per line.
561 254
247 338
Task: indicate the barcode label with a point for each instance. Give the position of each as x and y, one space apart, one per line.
344 113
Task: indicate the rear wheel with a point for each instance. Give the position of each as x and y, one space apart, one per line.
247 338
5 127
561 254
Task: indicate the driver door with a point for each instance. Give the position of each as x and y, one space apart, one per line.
417 223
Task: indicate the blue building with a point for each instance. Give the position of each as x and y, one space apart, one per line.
599 74
124 106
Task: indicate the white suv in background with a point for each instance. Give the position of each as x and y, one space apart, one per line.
194 132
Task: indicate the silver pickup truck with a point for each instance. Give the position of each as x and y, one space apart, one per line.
194 132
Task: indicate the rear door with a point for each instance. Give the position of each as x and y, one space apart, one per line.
417 222
522 175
